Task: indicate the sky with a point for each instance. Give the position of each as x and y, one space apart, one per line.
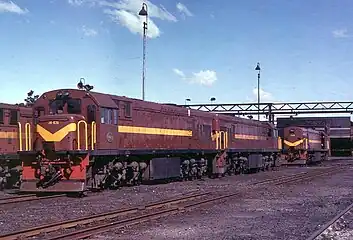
196 49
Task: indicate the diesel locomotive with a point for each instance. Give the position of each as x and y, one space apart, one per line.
304 146
15 128
88 140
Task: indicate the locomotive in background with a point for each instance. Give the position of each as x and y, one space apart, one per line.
86 139
15 127
15 135
304 146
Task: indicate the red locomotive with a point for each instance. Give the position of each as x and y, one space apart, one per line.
304 146
15 128
86 139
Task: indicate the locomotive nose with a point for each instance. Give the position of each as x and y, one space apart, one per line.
59 133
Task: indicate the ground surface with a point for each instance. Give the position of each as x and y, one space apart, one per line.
290 212
287 212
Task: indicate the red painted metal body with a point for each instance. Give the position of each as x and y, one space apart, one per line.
14 122
83 137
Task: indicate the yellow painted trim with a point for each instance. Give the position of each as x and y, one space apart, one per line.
78 134
93 134
315 141
154 131
28 137
249 137
7 135
293 144
58 135
20 135
279 143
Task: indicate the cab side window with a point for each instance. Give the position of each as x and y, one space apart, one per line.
115 116
270 132
109 116
1 116
127 108
13 117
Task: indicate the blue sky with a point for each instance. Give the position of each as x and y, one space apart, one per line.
196 49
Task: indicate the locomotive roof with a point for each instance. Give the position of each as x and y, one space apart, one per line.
107 100
310 130
14 106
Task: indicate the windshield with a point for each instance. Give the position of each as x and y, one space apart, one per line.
57 106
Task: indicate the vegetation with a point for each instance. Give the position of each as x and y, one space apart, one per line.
30 100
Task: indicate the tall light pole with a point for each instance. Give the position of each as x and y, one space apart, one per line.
258 90
187 100
144 12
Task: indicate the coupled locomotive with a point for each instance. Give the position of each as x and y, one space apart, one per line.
304 146
15 127
85 139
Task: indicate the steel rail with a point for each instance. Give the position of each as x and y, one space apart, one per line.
297 176
332 222
93 218
280 178
19 199
87 232
307 177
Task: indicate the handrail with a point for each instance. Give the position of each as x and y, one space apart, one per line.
20 135
221 137
226 140
78 134
279 143
218 140
218 137
93 134
28 136
224 137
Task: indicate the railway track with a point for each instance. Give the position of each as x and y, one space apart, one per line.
299 176
338 223
92 219
95 224
27 198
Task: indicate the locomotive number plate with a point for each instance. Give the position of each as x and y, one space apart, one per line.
54 122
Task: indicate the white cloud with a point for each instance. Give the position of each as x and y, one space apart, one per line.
203 77
340 33
133 22
183 9
11 7
89 32
264 96
75 2
179 72
125 13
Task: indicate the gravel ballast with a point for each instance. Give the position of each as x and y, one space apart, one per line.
286 212
207 223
